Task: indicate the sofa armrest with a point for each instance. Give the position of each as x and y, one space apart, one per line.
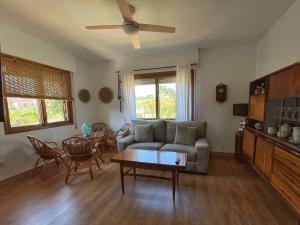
202 145
122 143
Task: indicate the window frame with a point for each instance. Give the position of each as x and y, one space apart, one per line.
68 110
68 101
156 76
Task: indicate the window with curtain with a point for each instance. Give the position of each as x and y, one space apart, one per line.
155 95
36 96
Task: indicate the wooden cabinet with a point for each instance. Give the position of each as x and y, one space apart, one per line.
248 145
297 79
283 83
257 107
286 177
239 145
264 156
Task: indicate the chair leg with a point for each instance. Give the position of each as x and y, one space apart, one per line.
36 164
56 161
101 158
91 170
45 165
97 162
68 171
76 166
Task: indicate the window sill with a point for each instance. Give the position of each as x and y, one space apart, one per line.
14 130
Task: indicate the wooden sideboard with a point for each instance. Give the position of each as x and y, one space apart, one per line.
275 159
276 162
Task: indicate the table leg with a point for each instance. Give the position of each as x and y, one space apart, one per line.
134 172
122 177
174 183
177 178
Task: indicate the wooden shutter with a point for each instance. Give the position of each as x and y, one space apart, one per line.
23 78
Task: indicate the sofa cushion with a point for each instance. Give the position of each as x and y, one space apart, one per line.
144 133
159 129
190 150
185 135
148 146
171 129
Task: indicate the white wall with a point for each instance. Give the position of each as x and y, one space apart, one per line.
280 45
106 76
235 67
16 154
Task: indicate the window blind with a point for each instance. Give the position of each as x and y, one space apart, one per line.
23 78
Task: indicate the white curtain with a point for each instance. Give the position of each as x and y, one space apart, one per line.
183 93
127 78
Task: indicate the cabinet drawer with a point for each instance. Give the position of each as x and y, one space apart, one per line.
289 178
285 177
284 187
285 158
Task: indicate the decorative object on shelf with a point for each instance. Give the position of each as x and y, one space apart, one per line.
221 93
84 95
296 135
105 95
272 130
241 110
260 89
119 91
86 129
258 126
284 131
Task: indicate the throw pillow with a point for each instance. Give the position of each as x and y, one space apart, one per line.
144 133
185 135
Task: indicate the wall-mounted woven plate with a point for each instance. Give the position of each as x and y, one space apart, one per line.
105 95
84 95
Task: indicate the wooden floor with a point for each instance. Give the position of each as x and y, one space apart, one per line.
228 195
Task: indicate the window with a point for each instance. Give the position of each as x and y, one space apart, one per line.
23 111
155 95
167 99
35 96
55 110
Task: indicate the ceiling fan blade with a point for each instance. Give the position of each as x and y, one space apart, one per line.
135 41
156 28
96 27
123 6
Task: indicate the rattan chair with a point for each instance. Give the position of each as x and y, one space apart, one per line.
108 142
99 127
80 153
46 151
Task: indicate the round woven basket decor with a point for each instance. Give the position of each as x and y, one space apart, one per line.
105 95
84 95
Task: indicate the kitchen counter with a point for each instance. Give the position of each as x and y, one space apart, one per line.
280 142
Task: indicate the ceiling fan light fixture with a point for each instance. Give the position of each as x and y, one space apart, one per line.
130 28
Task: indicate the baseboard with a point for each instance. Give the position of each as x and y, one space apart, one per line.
23 174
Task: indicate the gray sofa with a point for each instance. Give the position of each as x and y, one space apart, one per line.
164 135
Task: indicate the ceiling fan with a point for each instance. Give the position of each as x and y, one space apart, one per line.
130 26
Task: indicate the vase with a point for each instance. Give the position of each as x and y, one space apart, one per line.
86 129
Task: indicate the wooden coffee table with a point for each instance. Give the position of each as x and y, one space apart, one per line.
152 160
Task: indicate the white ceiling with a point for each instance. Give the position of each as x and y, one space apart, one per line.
199 23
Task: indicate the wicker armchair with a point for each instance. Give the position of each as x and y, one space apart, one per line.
46 151
109 141
80 153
